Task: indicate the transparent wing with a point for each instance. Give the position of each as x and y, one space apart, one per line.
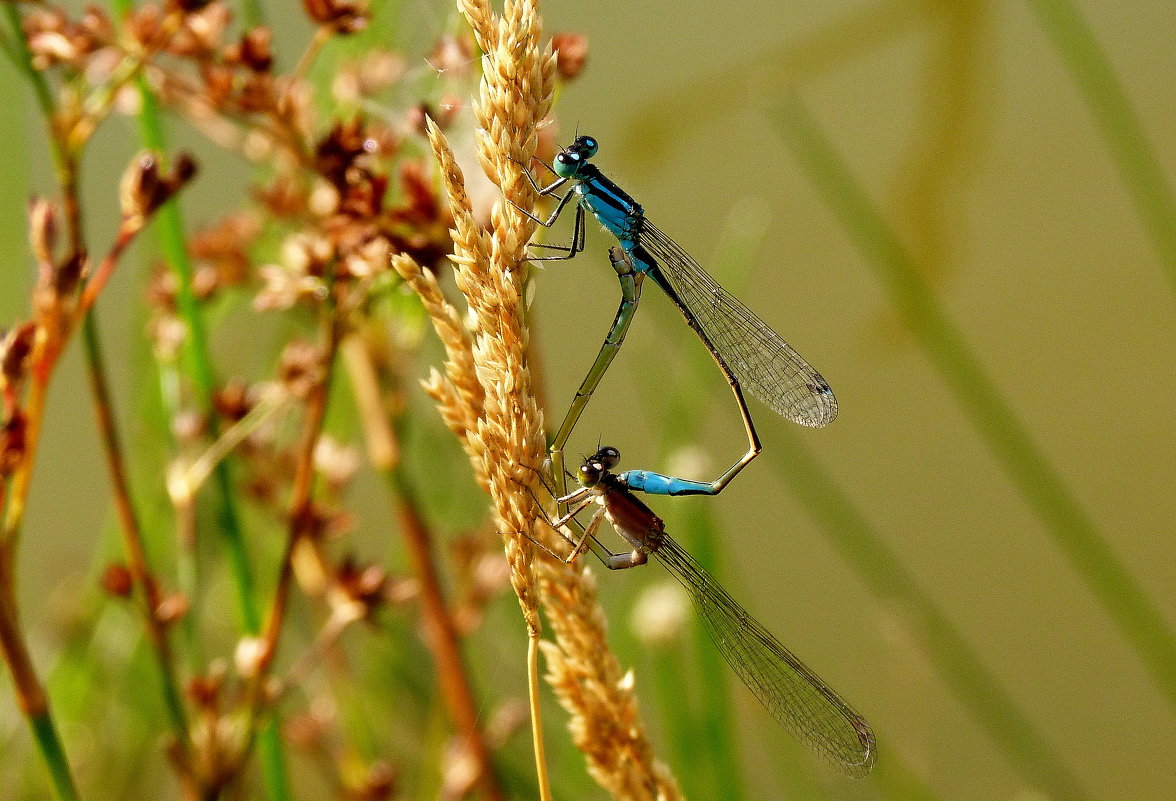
795 696
759 358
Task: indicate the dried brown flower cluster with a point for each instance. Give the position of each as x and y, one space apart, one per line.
346 212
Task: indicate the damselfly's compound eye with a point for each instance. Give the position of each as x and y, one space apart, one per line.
590 473
586 146
566 163
608 457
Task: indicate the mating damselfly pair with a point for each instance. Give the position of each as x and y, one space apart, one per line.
750 355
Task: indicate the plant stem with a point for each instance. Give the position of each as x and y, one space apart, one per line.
442 632
45 733
133 540
169 224
1008 438
442 639
302 514
866 549
1104 93
29 692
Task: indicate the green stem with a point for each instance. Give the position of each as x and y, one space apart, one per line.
129 522
45 733
169 224
23 58
171 233
717 720
1008 439
30 694
1137 161
866 549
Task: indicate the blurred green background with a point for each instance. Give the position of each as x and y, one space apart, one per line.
968 130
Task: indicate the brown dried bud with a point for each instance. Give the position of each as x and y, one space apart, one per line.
344 145
344 16
253 51
204 281
12 442
361 585
204 691
376 783
201 33
54 39
69 273
43 230
15 348
145 24
187 5
218 83
422 206
172 608
117 581
571 51
300 368
283 197
184 169
310 522
233 401
96 23
144 188
224 248
141 190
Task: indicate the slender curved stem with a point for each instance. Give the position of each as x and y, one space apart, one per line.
1138 163
443 640
1009 440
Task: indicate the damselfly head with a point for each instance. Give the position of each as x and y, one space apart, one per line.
586 146
607 456
590 473
594 468
569 160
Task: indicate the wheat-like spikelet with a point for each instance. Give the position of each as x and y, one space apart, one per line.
486 399
457 393
508 435
605 720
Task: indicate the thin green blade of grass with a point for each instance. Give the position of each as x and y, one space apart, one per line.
900 782
867 551
1120 124
41 721
1010 442
169 226
735 255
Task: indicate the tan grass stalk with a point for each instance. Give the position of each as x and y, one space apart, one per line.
605 720
486 397
505 439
